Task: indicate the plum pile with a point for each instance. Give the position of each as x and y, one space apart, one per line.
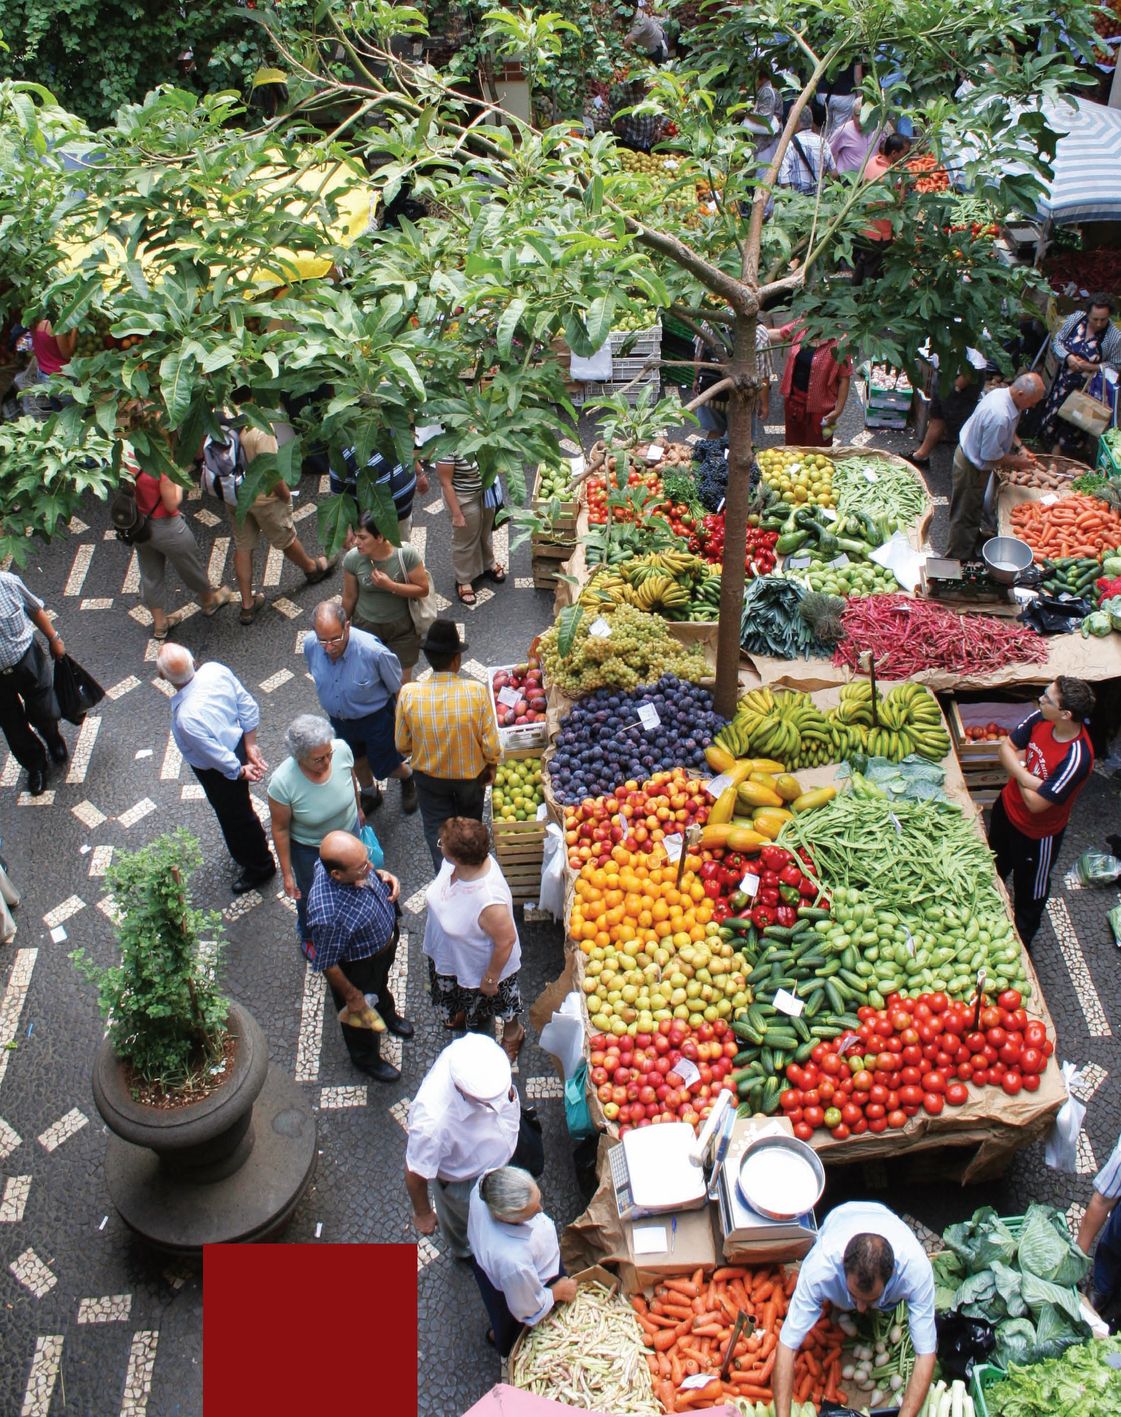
711 471
602 744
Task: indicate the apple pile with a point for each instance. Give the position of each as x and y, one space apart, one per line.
985 733
640 1081
527 681
638 816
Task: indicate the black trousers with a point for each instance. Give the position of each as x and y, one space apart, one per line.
27 701
371 975
1030 863
243 832
442 797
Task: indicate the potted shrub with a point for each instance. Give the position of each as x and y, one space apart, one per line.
181 1068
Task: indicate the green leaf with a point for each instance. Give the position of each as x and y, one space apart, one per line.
176 384
507 325
568 622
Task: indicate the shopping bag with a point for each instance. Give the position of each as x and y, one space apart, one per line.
576 1111
76 690
1061 1152
369 840
1092 415
551 895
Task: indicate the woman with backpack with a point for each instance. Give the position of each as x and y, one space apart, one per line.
167 538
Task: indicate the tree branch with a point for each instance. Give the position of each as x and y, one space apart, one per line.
723 386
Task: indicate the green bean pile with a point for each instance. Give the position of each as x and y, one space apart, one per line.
879 488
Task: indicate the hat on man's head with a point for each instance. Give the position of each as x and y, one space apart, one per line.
443 639
479 1067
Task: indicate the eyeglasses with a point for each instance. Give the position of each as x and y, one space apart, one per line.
333 640
321 758
1047 699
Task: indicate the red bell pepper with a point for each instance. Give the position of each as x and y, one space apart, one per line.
807 890
790 876
767 895
768 878
787 915
775 858
762 916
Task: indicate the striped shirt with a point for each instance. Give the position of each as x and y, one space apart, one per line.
467 480
447 724
803 162
397 478
1110 341
1107 1182
16 629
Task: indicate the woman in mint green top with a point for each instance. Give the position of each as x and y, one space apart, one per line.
379 580
312 792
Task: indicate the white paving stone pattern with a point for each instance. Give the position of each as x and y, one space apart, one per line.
113 1308
1087 995
43 1375
33 1273
63 1129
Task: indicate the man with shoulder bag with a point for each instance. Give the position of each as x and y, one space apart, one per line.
28 707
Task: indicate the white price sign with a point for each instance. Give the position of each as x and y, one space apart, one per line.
750 885
716 785
696 1380
788 1003
828 513
687 1071
599 628
654 452
1049 500
648 717
510 697
871 476
674 845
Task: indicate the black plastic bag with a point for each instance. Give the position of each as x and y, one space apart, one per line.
962 1342
76 690
1049 616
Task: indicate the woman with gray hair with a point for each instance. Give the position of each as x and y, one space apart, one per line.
515 1254
314 791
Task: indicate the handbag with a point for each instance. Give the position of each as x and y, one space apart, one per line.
423 610
369 839
1092 415
76 690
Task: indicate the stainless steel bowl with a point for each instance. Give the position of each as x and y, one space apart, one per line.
790 1146
1006 557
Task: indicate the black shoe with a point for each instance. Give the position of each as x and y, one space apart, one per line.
408 795
1114 844
250 880
918 462
371 798
36 781
398 1026
379 1070
58 750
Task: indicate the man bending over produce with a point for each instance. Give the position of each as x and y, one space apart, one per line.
987 440
865 1258
1048 759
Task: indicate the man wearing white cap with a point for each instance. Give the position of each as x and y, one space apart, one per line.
464 1122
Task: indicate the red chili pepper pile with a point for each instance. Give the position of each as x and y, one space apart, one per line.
907 636
707 540
915 1055
1089 270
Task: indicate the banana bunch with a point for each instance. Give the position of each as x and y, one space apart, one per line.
657 593
671 563
605 590
705 604
789 726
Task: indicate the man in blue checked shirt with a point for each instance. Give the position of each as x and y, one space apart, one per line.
864 1258
357 679
352 924
1103 1210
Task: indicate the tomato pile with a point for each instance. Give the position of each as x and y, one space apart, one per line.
707 540
680 519
638 816
914 1055
636 1080
985 732
598 492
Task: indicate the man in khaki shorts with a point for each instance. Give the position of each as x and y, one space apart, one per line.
269 516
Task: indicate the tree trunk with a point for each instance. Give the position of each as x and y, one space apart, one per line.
741 402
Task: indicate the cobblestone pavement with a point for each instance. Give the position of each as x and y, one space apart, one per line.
92 1324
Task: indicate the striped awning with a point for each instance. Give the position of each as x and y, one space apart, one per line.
1087 181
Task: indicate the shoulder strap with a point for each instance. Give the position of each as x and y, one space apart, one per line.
800 150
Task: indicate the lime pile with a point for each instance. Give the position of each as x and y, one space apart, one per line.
517 792
798 478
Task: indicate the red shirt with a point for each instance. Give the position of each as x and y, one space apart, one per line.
826 372
148 497
1064 768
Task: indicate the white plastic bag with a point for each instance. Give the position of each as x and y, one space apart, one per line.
1062 1140
552 872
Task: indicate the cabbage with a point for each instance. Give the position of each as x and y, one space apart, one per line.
1111 566
1045 1249
1015 1342
982 1239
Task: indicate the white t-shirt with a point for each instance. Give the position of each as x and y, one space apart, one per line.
454 1138
453 938
519 1260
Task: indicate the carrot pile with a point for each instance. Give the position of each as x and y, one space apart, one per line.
688 1324
1073 526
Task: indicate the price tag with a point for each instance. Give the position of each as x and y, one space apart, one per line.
798 563
841 560
599 628
910 942
1049 500
788 1003
577 465
717 785
721 506
510 697
871 476
903 608
828 513
750 885
687 1071
654 452
896 823
674 845
648 717
697 1380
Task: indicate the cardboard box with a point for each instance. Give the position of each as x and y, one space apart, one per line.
692 1246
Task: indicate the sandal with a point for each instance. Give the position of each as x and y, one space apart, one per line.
456 1022
513 1046
466 593
497 574
323 567
222 596
250 613
162 632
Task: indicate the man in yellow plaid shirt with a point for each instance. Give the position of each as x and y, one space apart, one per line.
447 726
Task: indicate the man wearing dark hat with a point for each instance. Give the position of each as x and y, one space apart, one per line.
448 727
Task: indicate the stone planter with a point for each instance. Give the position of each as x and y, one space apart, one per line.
229 1167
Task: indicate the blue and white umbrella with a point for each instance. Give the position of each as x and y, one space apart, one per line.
1087 181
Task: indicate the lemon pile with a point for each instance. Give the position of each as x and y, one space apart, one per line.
517 791
798 478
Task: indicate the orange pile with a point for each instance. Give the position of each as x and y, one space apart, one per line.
634 900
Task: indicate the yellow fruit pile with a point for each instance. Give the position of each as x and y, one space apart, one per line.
517 791
798 478
634 900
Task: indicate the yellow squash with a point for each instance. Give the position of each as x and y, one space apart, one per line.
817 798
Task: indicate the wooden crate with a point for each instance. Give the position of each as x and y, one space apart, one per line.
550 548
520 849
563 525
963 715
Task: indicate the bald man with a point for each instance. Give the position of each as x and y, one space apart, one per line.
214 725
988 440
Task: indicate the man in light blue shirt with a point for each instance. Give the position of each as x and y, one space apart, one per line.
864 1258
214 724
357 679
988 440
